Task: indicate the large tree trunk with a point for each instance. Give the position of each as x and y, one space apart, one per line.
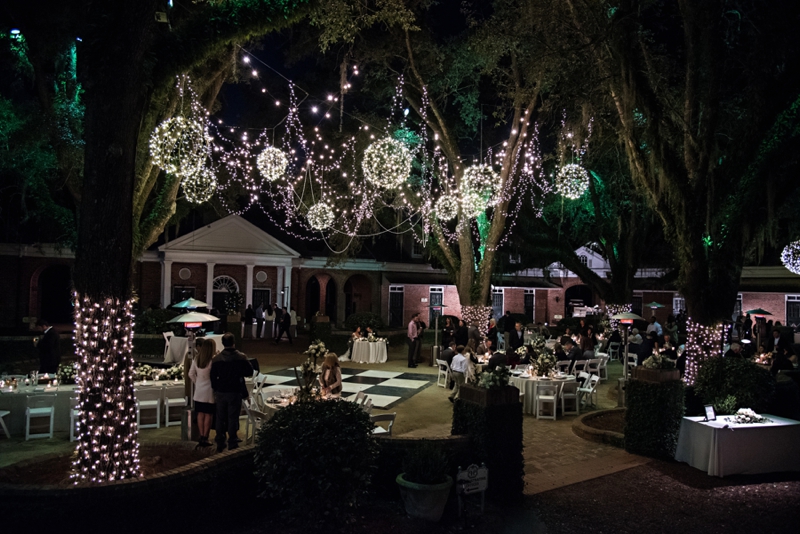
113 71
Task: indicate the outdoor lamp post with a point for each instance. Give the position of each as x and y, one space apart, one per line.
625 319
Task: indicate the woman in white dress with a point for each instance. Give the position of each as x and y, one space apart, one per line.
330 377
200 374
355 336
269 322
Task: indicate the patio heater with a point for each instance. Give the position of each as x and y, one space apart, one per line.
625 319
436 349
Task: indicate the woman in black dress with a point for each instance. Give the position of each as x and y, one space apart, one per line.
448 332
462 333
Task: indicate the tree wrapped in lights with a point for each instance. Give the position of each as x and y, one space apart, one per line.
107 434
615 309
790 257
180 146
320 216
572 181
387 163
702 343
272 163
446 208
477 315
200 186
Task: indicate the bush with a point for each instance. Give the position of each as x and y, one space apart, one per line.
426 464
653 417
721 378
317 458
515 317
155 321
364 319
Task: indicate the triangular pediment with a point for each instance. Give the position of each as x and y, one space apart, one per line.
233 235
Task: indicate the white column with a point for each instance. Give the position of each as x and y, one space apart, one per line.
166 283
288 283
279 286
210 283
248 297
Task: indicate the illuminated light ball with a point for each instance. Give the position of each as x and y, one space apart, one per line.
272 163
473 203
447 208
179 146
387 163
320 216
481 179
572 181
200 186
790 257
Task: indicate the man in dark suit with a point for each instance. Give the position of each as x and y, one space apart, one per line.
498 359
573 353
516 338
47 345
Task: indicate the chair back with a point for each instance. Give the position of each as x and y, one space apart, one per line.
546 388
569 388
443 365
147 393
168 335
41 401
584 377
360 397
367 406
501 341
385 417
563 366
593 380
580 365
593 365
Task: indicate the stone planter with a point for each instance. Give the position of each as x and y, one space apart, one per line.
489 397
655 375
424 501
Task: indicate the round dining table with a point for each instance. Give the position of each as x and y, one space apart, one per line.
527 385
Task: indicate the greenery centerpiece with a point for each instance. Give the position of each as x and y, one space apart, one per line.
66 373
545 363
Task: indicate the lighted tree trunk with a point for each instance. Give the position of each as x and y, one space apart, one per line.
113 71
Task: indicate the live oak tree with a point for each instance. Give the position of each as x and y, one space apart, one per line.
127 64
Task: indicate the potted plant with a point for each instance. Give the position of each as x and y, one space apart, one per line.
424 482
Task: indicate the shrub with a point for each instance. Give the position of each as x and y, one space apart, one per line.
426 464
155 321
364 319
720 378
317 458
653 417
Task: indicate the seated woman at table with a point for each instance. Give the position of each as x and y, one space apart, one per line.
200 374
586 344
567 335
330 377
784 360
558 352
370 332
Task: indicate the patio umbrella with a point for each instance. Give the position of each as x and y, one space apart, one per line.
654 304
190 303
193 317
758 311
628 316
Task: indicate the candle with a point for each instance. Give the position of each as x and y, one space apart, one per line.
46 376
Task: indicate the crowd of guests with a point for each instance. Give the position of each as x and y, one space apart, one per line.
272 322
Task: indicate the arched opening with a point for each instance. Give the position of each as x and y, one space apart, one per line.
357 295
330 300
578 295
312 298
55 294
222 286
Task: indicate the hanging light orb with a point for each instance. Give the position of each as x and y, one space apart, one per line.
179 146
200 186
387 163
272 163
446 208
481 179
790 257
320 216
572 181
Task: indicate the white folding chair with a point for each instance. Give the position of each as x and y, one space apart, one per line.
563 366
255 418
569 392
589 390
367 406
546 393
603 368
501 342
358 398
148 398
583 378
593 366
167 338
175 401
633 361
4 413
39 406
613 350
579 366
74 413
444 374
386 417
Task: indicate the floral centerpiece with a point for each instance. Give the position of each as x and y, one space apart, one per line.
143 372
746 416
538 343
372 338
522 351
66 373
496 378
658 361
545 363
309 370
173 373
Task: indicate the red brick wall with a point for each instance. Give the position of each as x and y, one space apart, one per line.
775 303
196 279
147 282
237 272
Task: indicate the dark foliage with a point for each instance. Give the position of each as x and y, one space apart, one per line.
515 317
749 385
155 321
653 417
364 319
426 464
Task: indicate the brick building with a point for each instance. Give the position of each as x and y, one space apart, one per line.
234 254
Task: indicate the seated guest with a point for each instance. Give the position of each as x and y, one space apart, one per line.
497 359
485 347
635 338
587 346
647 347
448 353
530 356
776 343
558 352
330 377
669 351
567 335
574 353
783 361
615 337
512 358
735 351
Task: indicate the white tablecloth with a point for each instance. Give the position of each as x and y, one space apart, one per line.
179 346
528 387
16 403
368 352
739 449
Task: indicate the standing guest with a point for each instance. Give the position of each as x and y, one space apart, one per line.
200 374
259 319
654 326
671 330
491 335
513 358
508 324
249 316
330 376
285 327
462 333
516 338
474 333
448 332
269 322
276 324
293 323
421 326
582 328
458 369
47 346
228 371
412 338
748 327
567 336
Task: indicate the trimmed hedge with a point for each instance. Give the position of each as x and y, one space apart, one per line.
364 319
496 439
653 417
733 383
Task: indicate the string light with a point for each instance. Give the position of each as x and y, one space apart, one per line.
702 343
615 309
179 146
447 208
790 257
200 186
387 163
478 315
572 181
320 216
272 163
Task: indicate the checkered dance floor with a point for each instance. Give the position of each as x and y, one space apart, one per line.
385 388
